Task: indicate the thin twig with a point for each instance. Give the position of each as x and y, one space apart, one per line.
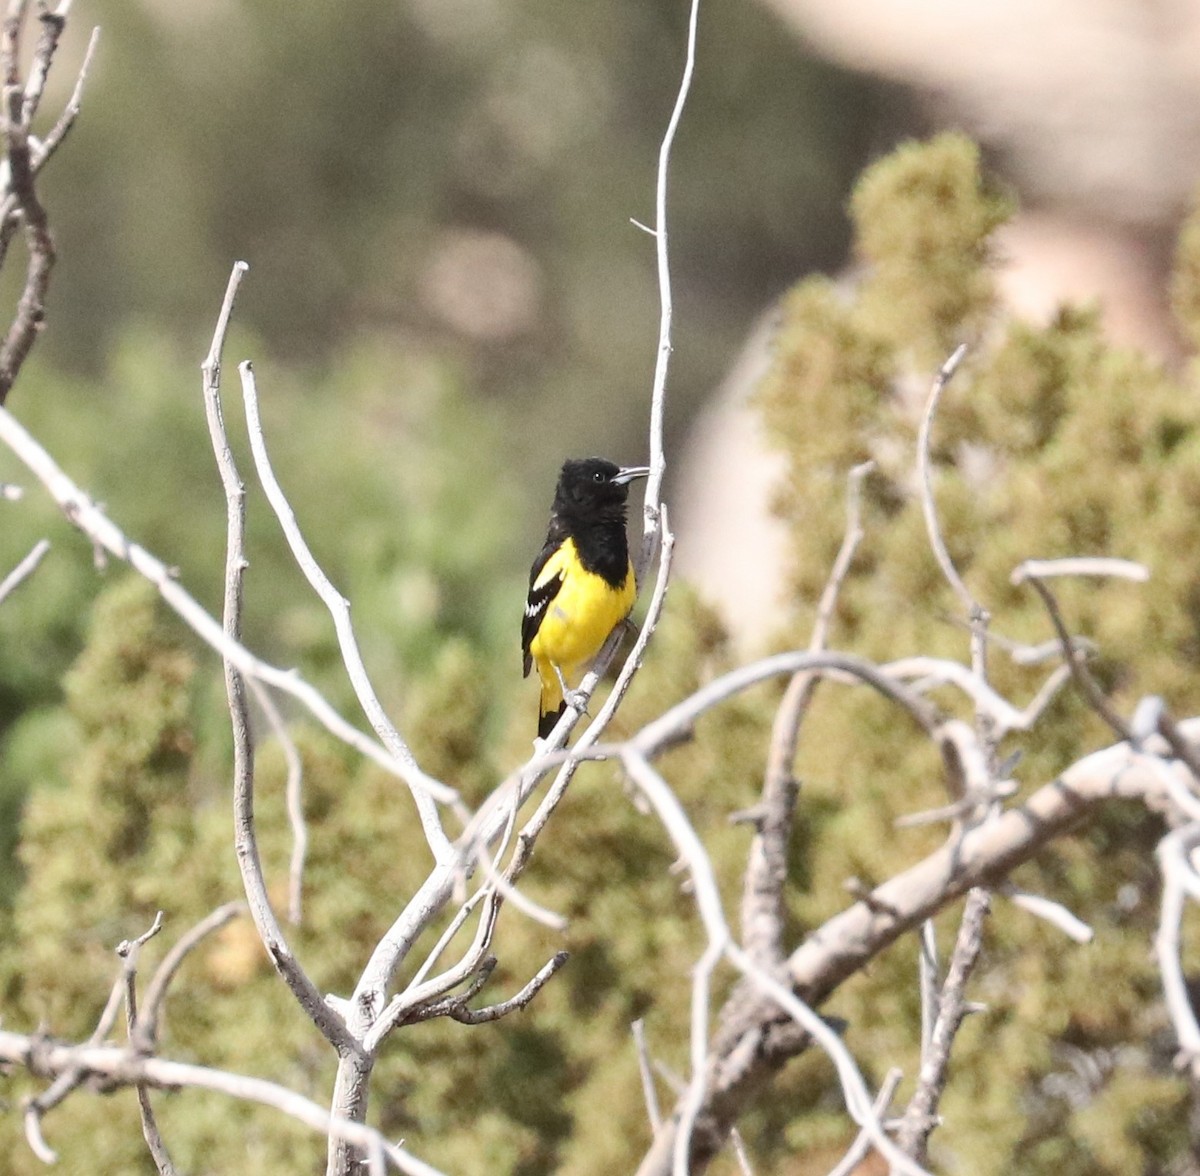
928 503
339 610
1090 565
156 990
47 1059
984 855
30 314
24 569
858 1150
928 973
658 461
920 1117
1179 880
249 860
649 1093
91 520
675 723
129 951
520 1001
936 671
766 866
69 1080
293 798
720 944
1088 686
1050 911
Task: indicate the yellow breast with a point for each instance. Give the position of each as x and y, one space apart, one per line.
581 616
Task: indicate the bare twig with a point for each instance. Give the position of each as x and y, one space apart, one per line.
1051 912
1074 658
766 867
46 1058
983 855
936 671
24 569
720 944
68 1080
339 610
849 1163
1179 880
675 723
658 461
1091 565
520 1001
928 972
292 797
91 520
52 25
156 990
129 951
928 503
30 312
1181 747
649 1093
245 839
31 307
920 1117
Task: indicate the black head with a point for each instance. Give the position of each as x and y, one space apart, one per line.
592 484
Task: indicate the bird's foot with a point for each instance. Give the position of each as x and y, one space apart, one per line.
577 700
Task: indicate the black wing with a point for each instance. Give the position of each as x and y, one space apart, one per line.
539 598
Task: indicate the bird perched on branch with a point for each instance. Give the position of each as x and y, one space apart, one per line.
581 586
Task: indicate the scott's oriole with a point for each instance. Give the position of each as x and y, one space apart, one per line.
581 586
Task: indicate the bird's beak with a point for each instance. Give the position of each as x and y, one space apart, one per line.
624 476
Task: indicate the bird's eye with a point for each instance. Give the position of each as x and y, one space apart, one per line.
598 476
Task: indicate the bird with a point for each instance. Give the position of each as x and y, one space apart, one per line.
581 585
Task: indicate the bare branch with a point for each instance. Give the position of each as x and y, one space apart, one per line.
1181 748
928 503
1043 569
1073 657
245 839
849 1163
156 991
52 24
521 1000
1051 912
339 610
754 1040
658 461
675 723
24 569
920 1117
91 520
1179 880
649 1093
292 798
68 1080
113 1066
154 1141
936 671
31 307
766 868
720 943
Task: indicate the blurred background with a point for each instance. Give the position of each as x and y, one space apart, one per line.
435 195
446 294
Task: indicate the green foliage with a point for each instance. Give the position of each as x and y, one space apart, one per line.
923 218
1050 442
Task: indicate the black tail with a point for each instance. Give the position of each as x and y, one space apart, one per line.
547 720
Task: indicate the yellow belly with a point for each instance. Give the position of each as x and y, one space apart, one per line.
580 618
